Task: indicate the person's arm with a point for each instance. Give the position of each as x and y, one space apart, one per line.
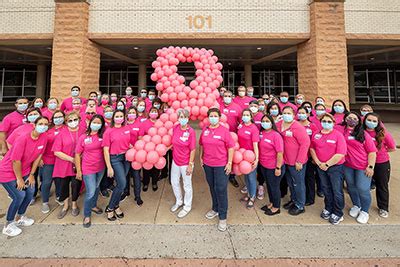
255 148
189 169
64 156
110 170
304 144
34 167
279 161
369 171
17 168
78 166
228 167
3 143
201 155
314 156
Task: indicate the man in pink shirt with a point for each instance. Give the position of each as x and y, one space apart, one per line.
231 110
284 101
220 99
241 99
66 105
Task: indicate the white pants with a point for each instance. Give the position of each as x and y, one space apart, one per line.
176 173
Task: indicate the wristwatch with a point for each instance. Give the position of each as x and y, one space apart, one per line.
327 165
277 168
371 167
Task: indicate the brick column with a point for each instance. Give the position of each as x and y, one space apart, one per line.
76 60
322 60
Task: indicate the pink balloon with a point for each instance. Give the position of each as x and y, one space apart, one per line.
249 156
156 139
193 84
161 149
236 169
172 96
161 163
130 154
164 97
146 138
158 124
181 96
195 110
170 132
245 167
149 146
192 102
139 145
148 166
162 131
208 102
168 124
237 146
141 156
136 165
164 117
242 150
234 136
237 157
173 117
152 157
159 86
203 111
152 131
166 140
154 77
176 104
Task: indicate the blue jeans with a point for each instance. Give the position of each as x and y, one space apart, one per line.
332 186
218 182
121 168
251 183
358 186
273 185
46 173
20 199
92 184
296 182
137 180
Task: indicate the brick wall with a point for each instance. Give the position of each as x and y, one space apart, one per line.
322 60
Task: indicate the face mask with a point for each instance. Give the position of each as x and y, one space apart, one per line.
108 115
246 119
104 102
254 109
302 117
128 92
284 99
261 108
38 105
273 112
143 95
338 109
320 112
120 107
73 124
183 121
321 102
327 126
95 126
140 108
267 101
58 121
241 94
151 97
266 125
308 109
227 100
74 93
118 120
364 113
22 107
299 101
351 122
153 115
287 117
76 106
131 116
213 120
41 128
157 106
52 106
32 118
221 93
134 104
250 94
114 98
371 124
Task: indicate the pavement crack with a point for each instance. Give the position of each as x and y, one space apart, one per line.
233 246
159 201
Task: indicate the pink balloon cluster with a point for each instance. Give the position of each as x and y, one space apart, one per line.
242 158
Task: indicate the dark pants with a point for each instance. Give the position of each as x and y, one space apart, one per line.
260 177
284 187
332 186
135 174
273 185
166 171
121 168
218 183
381 177
64 187
153 173
311 173
296 182
106 182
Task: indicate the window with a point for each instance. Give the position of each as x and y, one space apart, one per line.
17 82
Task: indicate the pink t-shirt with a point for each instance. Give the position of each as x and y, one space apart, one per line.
243 102
91 150
117 139
48 114
296 143
287 104
64 142
357 152
328 145
66 105
145 126
149 104
271 143
128 101
11 122
233 115
135 130
315 120
387 143
247 135
215 143
26 150
48 155
311 129
257 119
27 127
338 118
183 142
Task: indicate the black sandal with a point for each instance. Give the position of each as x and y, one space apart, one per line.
109 212
88 224
145 188
97 210
119 215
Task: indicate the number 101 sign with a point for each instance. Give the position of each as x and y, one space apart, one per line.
199 22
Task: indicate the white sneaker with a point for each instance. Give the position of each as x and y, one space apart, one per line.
32 202
354 211
11 229
383 213
211 214
222 226
175 207
363 217
45 208
183 213
243 190
25 221
59 202
260 192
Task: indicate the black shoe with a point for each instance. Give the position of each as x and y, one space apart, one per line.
124 197
145 188
155 187
264 208
108 210
309 203
105 193
119 215
288 205
320 194
98 211
88 224
296 211
271 213
139 201
373 187
234 182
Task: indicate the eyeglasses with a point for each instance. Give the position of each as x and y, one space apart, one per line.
58 117
73 120
90 113
329 122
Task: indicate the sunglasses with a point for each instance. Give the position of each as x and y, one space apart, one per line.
73 120
90 113
324 121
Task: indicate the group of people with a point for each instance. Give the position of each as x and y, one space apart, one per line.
81 144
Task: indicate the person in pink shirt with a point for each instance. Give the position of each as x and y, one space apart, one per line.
242 99
90 165
31 115
12 121
320 100
248 137
328 148
274 111
129 97
149 100
48 159
52 105
17 175
262 106
359 166
339 110
385 144
231 110
183 153
116 141
105 101
256 114
284 101
114 99
216 154
64 169
272 166
320 111
38 102
67 104
141 110
108 114
220 99
296 143
299 100
365 109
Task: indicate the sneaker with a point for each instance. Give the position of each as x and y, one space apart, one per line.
383 213
211 214
124 196
354 211
139 201
25 221
294 211
234 182
325 214
11 229
260 192
320 194
58 201
243 190
288 205
363 217
183 213
335 220
222 226
175 207
45 208
32 202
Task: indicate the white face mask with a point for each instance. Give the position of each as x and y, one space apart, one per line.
73 124
254 109
241 94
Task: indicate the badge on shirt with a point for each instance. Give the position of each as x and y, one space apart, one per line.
350 137
206 132
331 141
56 133
135 129
232 111
40 147
247 132
127 132
318 136
267 140
309 131
217 136
88 140
289 134
143 119
226 110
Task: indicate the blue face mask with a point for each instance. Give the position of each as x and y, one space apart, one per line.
75 93
143 95
371 124
120 107
364 113
246 119
95 126
274 112
338 109
261 108
267 101
32 118
287 117
299 101
213 120
308 109
52 106
320 112
227 100
108 115
22 107
140 108
151 97
284 99
58 121
183 121
302 117
157 106
38 105
266 125
41 128
327 126
250 94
